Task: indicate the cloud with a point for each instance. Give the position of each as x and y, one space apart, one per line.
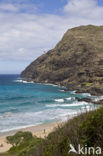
25 33
8 7
18 8
88 9
80 7
34 34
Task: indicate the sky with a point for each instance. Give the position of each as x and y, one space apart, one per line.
28 28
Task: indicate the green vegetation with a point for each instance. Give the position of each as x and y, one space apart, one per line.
76 62
22 144
85 129
19 138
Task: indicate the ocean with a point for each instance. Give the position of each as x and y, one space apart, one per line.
24 104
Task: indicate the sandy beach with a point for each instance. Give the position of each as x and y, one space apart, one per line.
40 131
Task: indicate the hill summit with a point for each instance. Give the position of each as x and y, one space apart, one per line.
76 62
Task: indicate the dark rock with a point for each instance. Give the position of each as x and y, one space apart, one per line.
100 102
88 100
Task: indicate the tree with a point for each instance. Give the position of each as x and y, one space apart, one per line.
19 138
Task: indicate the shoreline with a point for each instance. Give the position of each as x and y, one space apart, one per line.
66 89
33 128
77 90
41 130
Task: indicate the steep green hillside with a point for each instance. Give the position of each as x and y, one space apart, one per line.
76 62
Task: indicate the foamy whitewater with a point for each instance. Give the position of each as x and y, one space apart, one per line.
24 104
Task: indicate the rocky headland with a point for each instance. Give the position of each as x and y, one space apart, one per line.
76 62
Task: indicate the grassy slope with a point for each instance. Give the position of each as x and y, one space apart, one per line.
86 129
76 62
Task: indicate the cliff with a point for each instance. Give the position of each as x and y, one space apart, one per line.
76 62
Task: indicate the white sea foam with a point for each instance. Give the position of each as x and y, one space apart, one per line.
51 105
22 120
19 127
79 103
18 80
96 99
62 90
86 94
7 114
25 117
22 81
76 104
59 100
86 108
70 98
50 84
73 92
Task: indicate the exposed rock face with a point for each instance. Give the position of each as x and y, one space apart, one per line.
76 62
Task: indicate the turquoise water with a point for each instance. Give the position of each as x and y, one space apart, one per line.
25 104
